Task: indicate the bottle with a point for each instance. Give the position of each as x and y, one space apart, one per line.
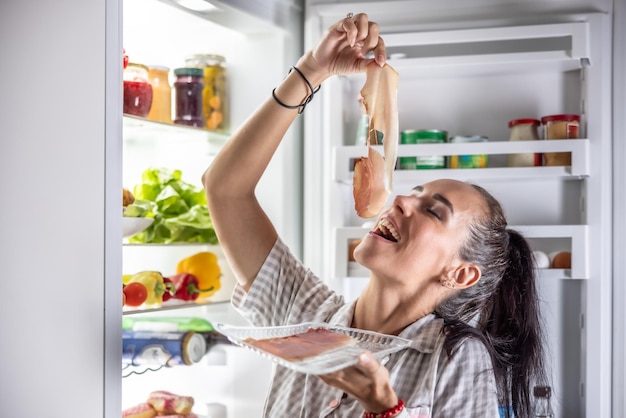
524 130
161 109
188 87
543 409
215 95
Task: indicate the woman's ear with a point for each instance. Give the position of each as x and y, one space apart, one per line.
465 275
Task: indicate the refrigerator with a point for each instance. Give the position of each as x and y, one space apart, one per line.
466 67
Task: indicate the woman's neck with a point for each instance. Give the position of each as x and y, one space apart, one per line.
389 309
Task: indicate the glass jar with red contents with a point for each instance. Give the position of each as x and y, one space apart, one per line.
188 96
137 90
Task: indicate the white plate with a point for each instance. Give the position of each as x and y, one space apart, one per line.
380 345
132 226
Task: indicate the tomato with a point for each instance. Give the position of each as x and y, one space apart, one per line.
135 293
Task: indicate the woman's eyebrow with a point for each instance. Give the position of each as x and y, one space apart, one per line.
445 201
438 197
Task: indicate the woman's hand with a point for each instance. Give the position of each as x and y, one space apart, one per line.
343 48
367 381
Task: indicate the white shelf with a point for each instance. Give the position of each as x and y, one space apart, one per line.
357 271
577 147
577 233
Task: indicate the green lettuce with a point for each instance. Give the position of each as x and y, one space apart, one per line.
179 209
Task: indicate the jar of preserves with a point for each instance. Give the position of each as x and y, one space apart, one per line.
560 127
468 161
524 130
188 92
215 95
137 90
161 109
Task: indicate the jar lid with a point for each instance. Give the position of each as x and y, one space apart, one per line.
189 71
514 122
205 58
159 67
556 118
137 65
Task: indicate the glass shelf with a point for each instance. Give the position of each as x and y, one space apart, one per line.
142 132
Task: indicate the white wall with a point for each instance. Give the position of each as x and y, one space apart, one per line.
619 208
52 166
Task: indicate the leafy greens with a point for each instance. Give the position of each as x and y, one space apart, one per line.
179 209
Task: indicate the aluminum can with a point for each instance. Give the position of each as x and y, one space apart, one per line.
430 136
468 161
408 163
162 348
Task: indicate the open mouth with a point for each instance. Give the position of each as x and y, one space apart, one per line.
386 230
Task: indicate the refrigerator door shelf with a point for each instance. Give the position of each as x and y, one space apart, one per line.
343 155
577 234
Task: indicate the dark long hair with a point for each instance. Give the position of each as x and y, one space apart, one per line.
503 304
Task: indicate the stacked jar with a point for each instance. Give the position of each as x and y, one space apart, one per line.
560 127
215 94
188 91
524 130
161 109
137 90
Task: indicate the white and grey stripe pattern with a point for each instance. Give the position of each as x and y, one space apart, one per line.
431 383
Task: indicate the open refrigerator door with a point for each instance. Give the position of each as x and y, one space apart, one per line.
170 345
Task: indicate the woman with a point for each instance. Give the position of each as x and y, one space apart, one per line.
445 272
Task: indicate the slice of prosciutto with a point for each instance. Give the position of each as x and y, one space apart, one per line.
373 175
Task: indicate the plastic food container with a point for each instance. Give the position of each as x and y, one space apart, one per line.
468 161
137 90
524 130
215 106
188 91
560 127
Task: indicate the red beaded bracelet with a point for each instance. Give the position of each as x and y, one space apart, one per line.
386 414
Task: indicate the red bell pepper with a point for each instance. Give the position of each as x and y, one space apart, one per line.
170 289
186 286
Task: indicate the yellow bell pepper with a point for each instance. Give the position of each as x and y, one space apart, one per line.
205 267
153 280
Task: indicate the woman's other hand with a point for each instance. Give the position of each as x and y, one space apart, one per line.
367 381
344 48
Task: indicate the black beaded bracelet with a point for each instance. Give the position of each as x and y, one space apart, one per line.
301 106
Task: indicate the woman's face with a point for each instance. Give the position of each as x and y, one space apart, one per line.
419 235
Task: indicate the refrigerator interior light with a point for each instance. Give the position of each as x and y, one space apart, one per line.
201 6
